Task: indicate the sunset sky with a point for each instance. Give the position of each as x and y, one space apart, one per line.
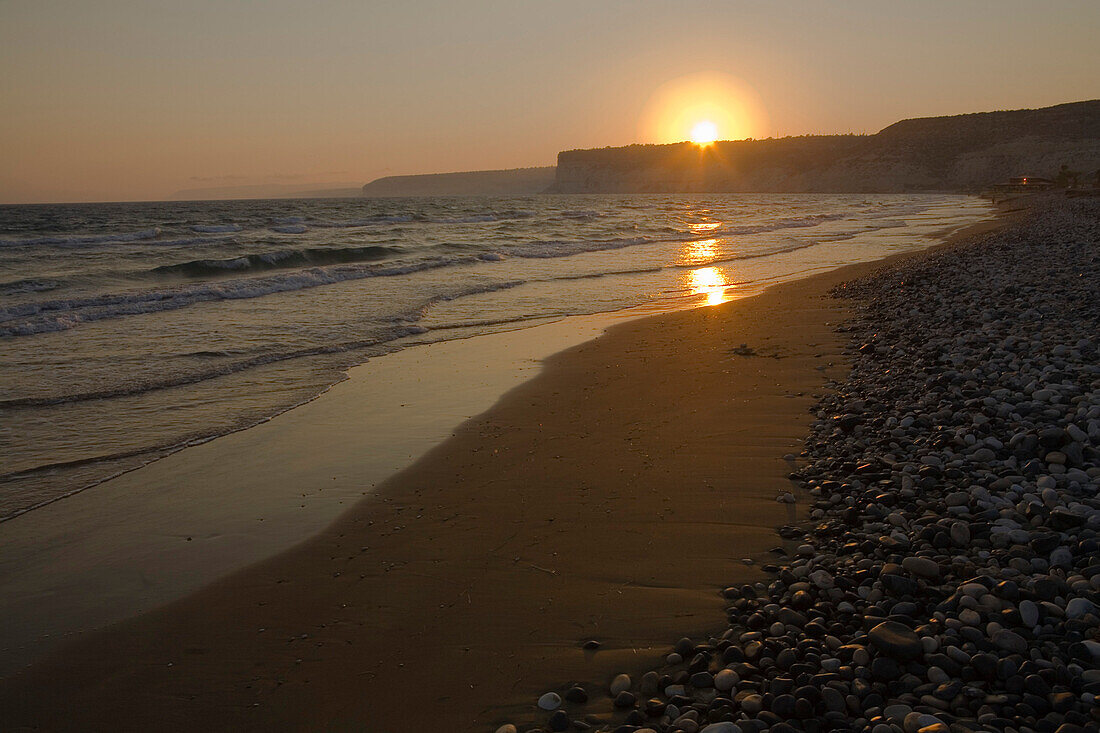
131 99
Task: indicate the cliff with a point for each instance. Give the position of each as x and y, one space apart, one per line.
514 182
956 153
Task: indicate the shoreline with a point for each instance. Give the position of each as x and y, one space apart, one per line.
153 534
700 597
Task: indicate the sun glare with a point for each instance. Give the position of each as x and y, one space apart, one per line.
704 132
702 107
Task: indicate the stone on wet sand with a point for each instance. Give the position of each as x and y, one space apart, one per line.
619 684
550 701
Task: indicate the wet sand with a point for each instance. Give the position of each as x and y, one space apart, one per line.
153 535
465 585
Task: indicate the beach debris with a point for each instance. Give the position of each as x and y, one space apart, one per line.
743 350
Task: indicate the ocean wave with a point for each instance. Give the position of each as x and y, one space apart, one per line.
545 249
353 223
216 228
203 375
281 259
60 315
488 216
190 241
478 218
148 237
327 266
29 285
400 326
290 228
82 241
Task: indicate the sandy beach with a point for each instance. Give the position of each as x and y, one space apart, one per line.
609 498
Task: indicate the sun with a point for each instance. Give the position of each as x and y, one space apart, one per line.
704 132
704 107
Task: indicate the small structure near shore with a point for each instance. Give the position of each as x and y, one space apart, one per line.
1023 184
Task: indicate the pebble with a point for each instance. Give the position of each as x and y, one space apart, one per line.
921 566
550 701
1079 607
619 684
1029 613
896 640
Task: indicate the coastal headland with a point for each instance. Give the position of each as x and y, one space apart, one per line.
966 153
605 500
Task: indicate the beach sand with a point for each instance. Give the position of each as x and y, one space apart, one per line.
464 586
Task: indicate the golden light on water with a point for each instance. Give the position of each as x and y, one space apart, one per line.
703 108
699 251
708 281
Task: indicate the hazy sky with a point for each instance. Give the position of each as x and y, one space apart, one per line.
132 99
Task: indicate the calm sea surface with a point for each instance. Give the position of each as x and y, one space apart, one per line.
130 330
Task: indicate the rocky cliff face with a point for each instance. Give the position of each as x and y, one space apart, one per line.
958 153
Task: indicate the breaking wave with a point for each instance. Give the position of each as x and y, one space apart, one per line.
59 315
281 259
400 326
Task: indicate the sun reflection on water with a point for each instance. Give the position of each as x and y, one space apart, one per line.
708 281
699 251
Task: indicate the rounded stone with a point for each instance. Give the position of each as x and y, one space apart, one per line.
559 722
550 701
722 727
1029 613
576 694
921 566
620 684
1079 607
624 700
725 680
896 640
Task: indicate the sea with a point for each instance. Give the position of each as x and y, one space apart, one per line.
131 330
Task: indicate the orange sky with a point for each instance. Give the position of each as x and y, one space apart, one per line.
128 99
